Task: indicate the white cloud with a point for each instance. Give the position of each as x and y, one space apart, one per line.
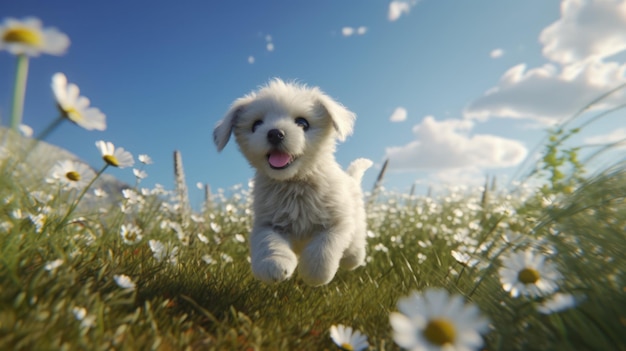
398 115
468 177
587 29
250 59
548 94
398 8
270 44
349 31
609 138
578 43
496 53
448 145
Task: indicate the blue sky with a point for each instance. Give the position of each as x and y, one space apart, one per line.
480 81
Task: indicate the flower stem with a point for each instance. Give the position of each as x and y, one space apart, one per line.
81 195
50 128
19 93
33 143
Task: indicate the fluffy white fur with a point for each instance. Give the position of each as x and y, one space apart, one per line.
308 208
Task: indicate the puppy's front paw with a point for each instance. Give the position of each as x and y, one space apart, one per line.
275 268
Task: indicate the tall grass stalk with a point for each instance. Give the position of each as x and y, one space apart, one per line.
181 189
559 130
19 91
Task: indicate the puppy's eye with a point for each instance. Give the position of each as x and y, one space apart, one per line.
302 122
256 124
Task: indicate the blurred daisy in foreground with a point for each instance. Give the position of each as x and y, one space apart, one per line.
87 321
116 157
27 37
527 273
124 282
131 234
347 339
557 303
26 130
75 107
53 265
435 320
71 174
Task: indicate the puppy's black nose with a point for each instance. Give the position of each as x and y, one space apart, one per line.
275 136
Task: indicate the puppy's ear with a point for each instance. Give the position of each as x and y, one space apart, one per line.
224 128
343 119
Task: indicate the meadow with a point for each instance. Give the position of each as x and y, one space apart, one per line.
142 271
538 265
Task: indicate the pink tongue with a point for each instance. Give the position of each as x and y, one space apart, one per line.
279 159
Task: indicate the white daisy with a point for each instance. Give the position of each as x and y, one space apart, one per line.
38 221
158 250
131 196
162 251
53 265
145 159
527 273
116 157
26 130
208 259
79 312
464 258
557 303
197 218
435 320
87 321
124 282
203 238
75 107
131 234
139 174
348 340
71 174
226 258
27 37
99 192
215 227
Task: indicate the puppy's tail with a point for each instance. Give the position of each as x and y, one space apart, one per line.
358 167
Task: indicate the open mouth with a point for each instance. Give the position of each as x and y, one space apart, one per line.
279 160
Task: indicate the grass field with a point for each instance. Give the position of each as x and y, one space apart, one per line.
139 271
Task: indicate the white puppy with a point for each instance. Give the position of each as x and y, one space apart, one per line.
304 204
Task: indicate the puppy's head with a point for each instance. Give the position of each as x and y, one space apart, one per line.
285 129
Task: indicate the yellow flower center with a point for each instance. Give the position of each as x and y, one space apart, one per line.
111 160
72 113
131 236
24 36
346 346
528 276
73 176
440 331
